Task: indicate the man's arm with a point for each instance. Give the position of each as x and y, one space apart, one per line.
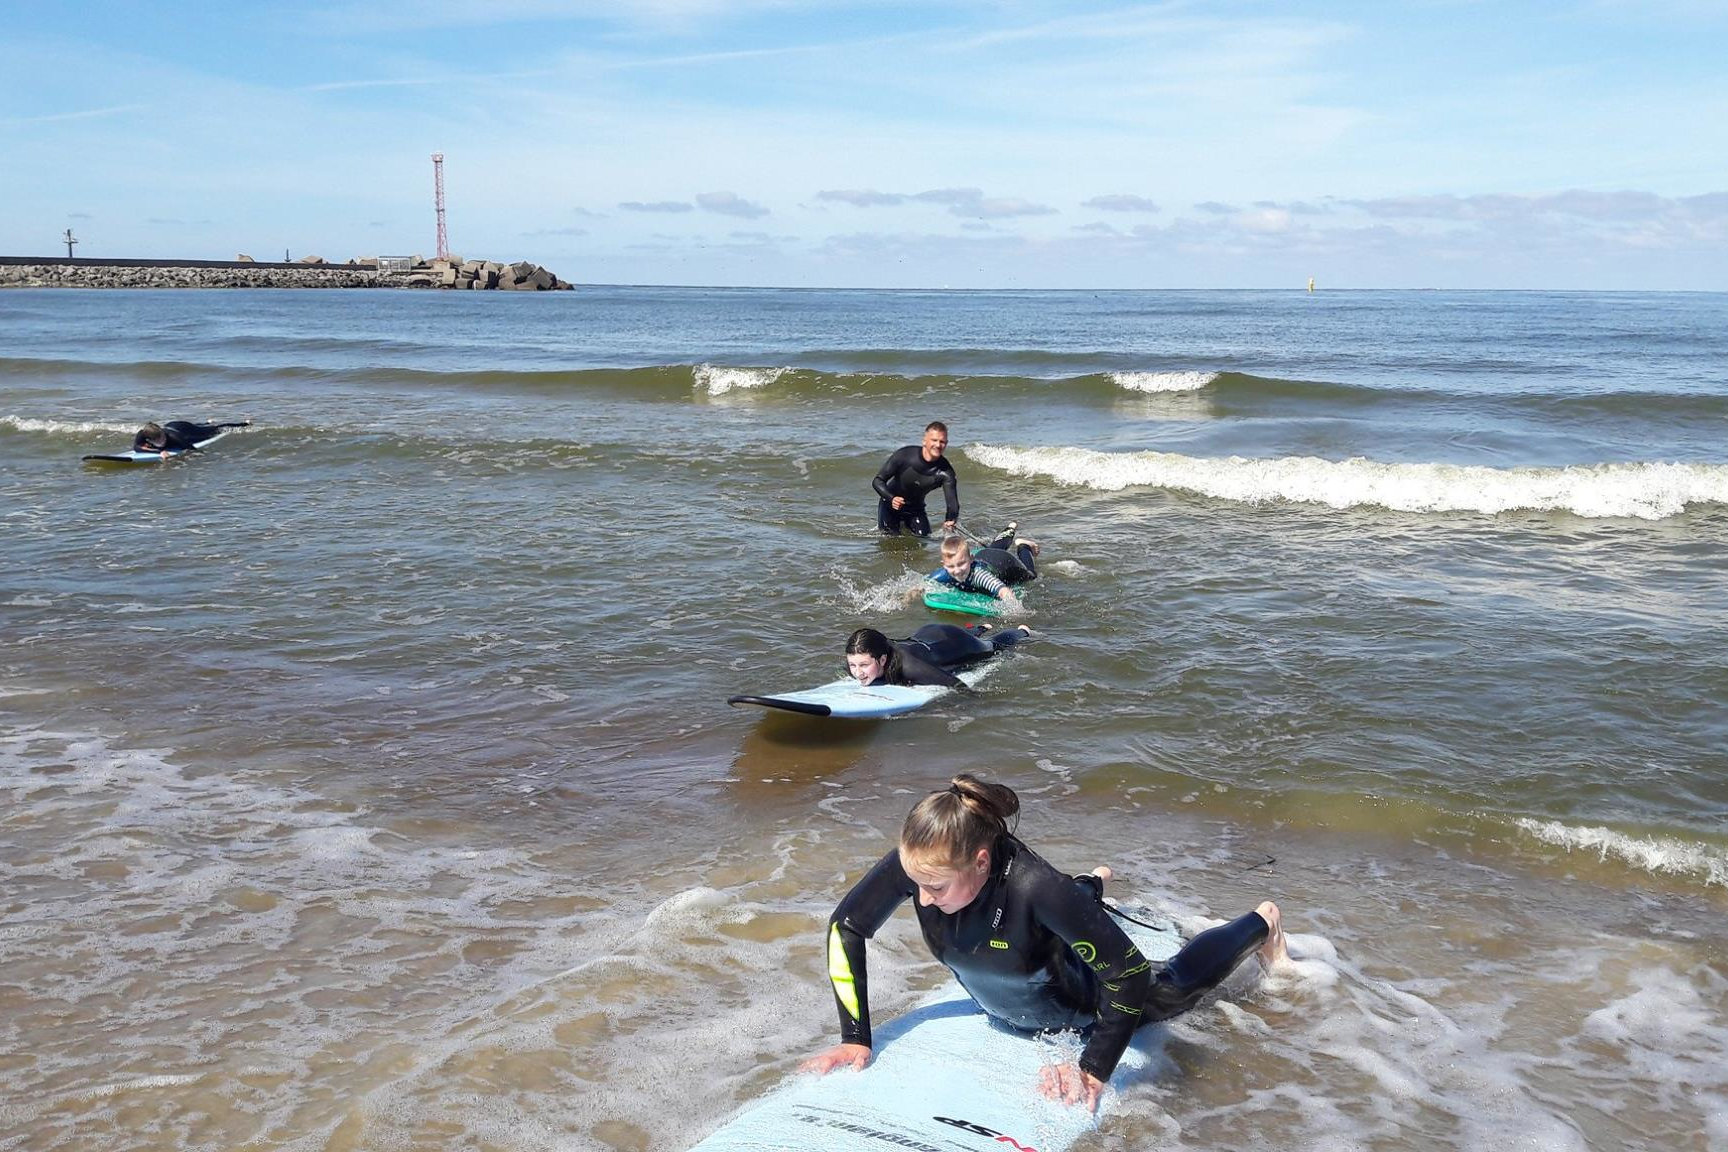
890 469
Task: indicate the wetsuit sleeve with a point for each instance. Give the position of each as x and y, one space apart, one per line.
950 492
1074 913
981 579
863 910
181 436
919 672
890 469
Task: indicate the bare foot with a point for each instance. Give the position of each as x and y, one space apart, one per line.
1103 872
1273 950
1032 544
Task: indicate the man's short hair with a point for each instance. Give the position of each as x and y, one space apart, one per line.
936 426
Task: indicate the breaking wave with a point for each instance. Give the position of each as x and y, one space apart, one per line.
1644 490
1163 381
64 427
1661 854
717 381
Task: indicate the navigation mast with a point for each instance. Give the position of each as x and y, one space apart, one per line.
438 196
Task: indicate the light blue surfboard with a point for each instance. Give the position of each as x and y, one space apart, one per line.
943 1079
849 699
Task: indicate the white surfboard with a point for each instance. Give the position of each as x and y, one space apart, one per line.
943 1079
850 699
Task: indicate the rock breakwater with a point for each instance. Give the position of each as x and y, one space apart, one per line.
311 272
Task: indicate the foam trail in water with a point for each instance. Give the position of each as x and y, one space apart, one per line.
717 381
1163 381
1645 490
28 424
889 596
1651 853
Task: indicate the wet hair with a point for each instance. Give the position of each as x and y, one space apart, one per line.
152 432
946 828
871 643
953 546
936 426
868 642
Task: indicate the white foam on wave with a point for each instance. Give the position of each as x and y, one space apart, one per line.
873 599
1643 490
1163 381
717 381
1660 854
63 427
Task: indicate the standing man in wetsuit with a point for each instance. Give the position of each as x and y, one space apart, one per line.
908 476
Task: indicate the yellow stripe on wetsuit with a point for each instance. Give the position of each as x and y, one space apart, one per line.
840 972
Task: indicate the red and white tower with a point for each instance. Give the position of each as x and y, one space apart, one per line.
438 194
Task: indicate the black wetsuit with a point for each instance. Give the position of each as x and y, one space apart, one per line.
932 653
908 475
180 436
1037 951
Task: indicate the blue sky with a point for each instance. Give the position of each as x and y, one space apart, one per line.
1428 143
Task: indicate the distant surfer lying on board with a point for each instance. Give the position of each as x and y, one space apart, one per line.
911 474
993 570
178 435
929 657
1035 948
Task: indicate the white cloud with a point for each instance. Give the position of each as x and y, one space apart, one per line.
730 204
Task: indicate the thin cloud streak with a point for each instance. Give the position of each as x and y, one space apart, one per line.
967 203
1120 203
87 114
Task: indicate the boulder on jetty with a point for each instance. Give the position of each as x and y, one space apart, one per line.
457 273
243 259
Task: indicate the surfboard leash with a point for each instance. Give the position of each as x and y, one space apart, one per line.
1121 915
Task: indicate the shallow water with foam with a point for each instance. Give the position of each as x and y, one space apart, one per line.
368 782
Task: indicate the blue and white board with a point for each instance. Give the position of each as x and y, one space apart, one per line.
849 699
943 1079
157 457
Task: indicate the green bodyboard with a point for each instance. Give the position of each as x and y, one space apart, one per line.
944 599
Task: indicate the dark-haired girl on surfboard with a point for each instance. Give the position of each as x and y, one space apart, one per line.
929 657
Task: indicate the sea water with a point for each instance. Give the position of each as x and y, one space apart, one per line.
367 780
